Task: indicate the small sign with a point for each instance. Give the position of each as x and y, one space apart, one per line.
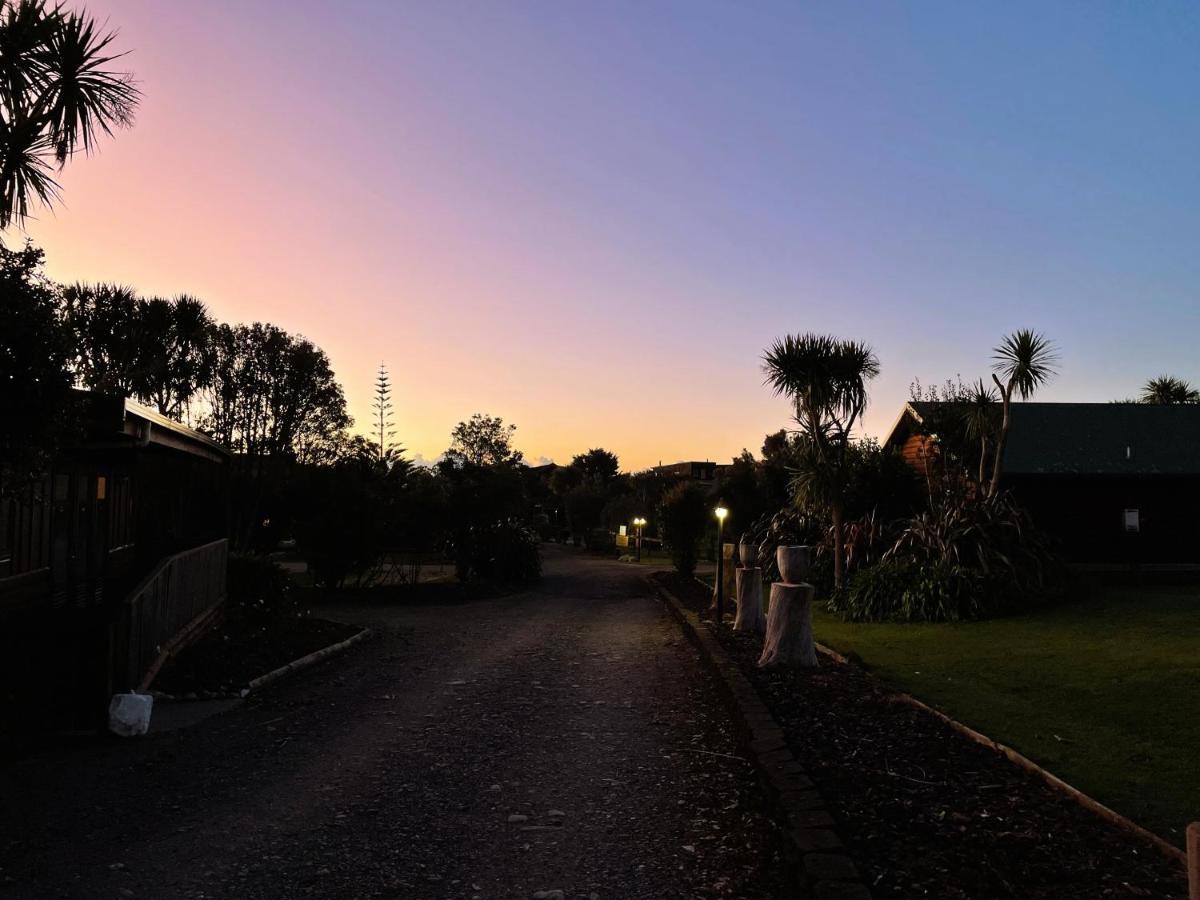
623 532
1133 520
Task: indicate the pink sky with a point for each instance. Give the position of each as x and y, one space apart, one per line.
389 239
590 219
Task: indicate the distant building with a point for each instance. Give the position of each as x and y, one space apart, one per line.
706 472
1115 483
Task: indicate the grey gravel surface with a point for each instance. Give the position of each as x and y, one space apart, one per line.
559 742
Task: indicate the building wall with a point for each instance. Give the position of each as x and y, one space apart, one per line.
1085 514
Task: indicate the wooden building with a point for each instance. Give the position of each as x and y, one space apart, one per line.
132 493
1114 483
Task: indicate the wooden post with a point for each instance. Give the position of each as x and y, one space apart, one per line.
749 601
1193 863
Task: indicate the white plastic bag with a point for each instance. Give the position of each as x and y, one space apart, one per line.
129 714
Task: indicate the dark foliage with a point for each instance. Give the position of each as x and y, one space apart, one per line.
259 589
34 384
58 94
962 558
684 519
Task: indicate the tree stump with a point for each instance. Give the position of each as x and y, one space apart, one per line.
789 640
749 602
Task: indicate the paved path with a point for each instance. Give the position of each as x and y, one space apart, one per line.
561 739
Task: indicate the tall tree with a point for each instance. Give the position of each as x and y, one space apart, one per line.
383 410
1023 362
107 335
1167 389
826 379
33 369
273 394
483 440
176 356
598 466
58 94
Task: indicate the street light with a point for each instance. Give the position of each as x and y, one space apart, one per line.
639 523
721 513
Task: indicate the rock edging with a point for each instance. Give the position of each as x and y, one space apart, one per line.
820 867
275 674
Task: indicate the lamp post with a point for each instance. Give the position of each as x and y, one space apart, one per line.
721 513
639 523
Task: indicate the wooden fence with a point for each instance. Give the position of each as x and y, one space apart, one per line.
185 589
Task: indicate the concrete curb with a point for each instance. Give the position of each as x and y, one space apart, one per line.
1163 846
819 866
295 665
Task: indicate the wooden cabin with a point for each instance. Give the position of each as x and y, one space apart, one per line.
133 492
1115 483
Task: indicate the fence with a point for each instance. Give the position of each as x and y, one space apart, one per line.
184 588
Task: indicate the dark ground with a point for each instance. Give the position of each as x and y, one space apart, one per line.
401 769
928 813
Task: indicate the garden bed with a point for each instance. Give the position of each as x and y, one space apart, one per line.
228 658
929 813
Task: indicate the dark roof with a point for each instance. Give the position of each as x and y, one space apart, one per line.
1091 438
111 420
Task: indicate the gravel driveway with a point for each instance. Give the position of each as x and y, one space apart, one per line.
560 742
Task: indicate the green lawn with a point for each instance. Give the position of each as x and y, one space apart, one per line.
1104 693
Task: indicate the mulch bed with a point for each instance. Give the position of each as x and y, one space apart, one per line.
226 659
927 812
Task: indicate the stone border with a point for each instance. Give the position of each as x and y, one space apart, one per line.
275 674
1165 847
817 860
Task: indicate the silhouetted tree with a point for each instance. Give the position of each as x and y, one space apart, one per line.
57 96
176 356
1167 389
273 394
1023 362
483 440
34 381
598 466
826 380
107 337
684 520
382 405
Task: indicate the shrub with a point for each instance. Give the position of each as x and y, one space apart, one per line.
904 591
684 519
258 589
505 552
961 559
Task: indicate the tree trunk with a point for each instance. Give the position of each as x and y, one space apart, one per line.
749 601
839 540
1006 398
789 640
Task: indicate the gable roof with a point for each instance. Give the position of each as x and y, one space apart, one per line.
1088 438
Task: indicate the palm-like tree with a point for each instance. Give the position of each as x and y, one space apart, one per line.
826 380
1024 361
57 96
979 420
1167 389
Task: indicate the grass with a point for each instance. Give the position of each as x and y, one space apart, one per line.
1105 693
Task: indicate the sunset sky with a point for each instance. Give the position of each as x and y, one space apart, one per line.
590 219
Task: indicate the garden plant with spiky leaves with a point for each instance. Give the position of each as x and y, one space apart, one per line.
58 95
826 379
1168 390
1024 361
